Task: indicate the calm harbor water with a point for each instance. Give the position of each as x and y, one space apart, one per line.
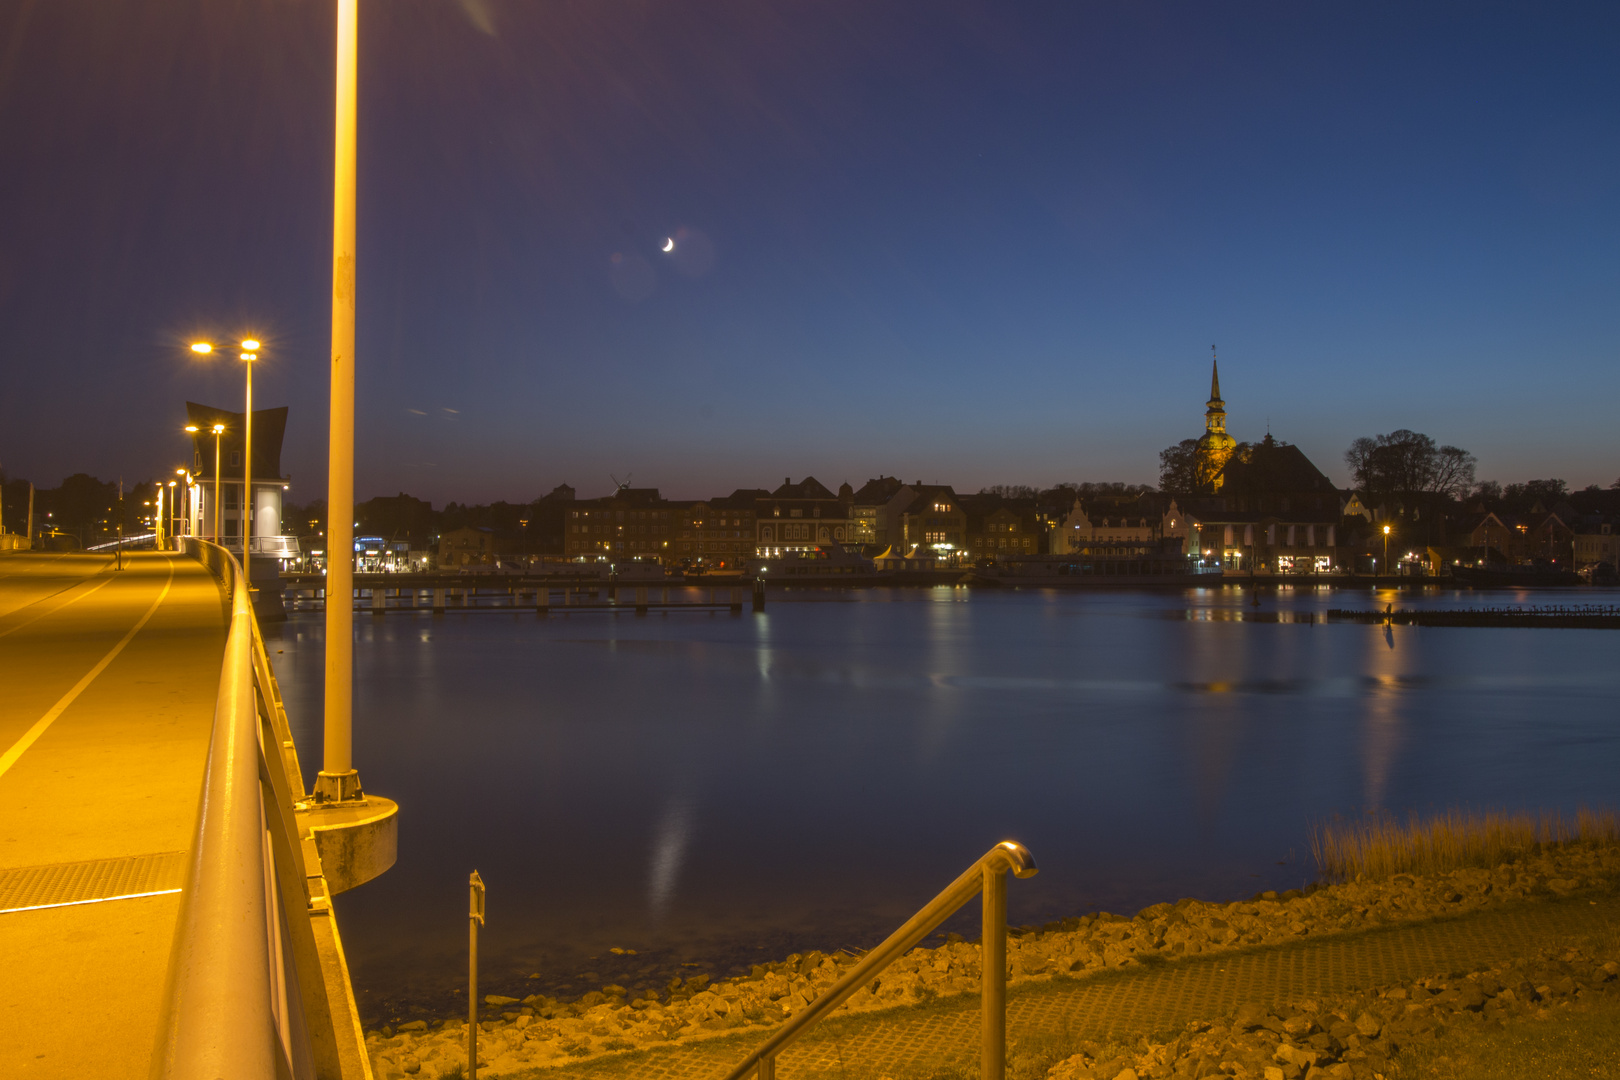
710 790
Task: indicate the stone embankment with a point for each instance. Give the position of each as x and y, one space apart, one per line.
1353 1037
538 1030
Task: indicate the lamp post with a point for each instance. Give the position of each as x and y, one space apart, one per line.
249 354
174 510
338 780
1386 549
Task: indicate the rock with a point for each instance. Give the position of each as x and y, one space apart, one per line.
1368 1025
414 1025
411 1065
1249 1016
497 999
1289 1054
1126 1074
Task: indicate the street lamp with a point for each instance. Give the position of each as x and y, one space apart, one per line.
174 511
1386 549
338 780
249 354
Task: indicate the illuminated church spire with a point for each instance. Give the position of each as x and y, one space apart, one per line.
1216 445
1215 413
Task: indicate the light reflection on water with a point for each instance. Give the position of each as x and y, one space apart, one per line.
714 790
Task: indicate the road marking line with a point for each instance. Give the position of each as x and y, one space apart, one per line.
19 747
94 900
58 607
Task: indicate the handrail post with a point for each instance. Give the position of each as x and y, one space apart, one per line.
993 973
475 917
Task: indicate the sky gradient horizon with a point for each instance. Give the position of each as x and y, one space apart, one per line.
960 243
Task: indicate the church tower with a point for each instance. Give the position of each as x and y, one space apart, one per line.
1216 445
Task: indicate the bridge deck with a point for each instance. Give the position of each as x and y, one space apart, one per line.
110 681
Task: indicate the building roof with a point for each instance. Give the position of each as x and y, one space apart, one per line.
1272 467
877 492
269 428
808 488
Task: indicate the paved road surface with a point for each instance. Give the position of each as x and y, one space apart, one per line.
109 685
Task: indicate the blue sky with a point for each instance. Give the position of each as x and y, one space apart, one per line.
965 243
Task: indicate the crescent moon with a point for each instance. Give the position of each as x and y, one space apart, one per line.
669 243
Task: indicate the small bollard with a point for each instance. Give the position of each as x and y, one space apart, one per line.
438 600
759 594
542 600
475 919
378 600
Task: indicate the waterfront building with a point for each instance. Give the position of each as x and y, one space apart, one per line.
801 517
999 526
1501 538
548 520
934 520
1596 543
1144 518
269 485
632 523
474 546
719 534
869 512
1275 512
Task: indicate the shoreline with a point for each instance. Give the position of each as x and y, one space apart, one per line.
538 1030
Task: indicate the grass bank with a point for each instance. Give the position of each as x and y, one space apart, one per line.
1379 847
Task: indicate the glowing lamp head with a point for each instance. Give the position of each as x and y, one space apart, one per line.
1386 530
201 347
250 345
219 429
191 428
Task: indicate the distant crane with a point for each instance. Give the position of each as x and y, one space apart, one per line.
617 484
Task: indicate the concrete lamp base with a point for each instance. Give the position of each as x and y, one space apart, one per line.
357 839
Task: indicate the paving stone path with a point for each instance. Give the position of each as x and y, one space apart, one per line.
1129 1003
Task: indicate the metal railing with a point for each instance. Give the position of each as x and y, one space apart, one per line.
988 876
245 995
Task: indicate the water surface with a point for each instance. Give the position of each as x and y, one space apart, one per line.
711 790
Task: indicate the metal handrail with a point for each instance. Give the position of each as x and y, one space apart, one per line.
243 973
987 876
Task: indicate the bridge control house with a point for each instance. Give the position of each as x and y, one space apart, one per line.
269 485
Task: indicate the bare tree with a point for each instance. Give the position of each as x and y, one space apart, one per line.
1409 463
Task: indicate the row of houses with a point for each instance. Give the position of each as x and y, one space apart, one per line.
1275 513
1262 508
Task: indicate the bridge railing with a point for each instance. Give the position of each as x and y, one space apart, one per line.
987 876
246 997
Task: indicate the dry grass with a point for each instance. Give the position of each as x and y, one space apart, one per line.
1378 847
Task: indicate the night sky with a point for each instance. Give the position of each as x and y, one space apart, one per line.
954 242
